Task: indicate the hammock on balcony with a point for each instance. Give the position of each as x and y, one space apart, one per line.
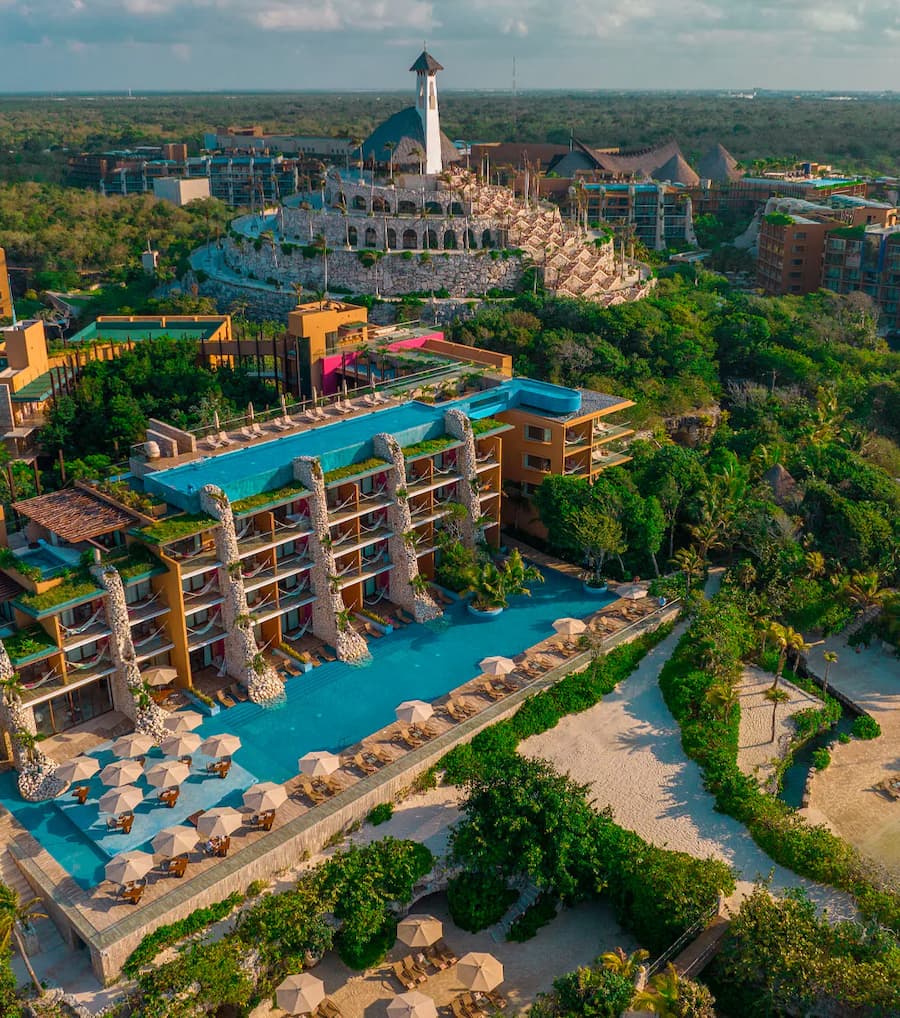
205 589
144 604
144 640
202 630
346 569
88 662
341 505
42 680
295 518
302 585
380 490
244 531
484 458
78 630
248 574
290 526
220 666
259 605
374 600
373 559
377 525
445 471
298 634
343 539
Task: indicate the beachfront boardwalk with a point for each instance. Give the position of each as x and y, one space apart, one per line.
628 750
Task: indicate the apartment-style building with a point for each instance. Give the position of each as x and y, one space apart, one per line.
299 524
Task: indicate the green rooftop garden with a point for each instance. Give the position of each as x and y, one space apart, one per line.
78 587
779 219
25 643
430 447
266 498
177 527
487 424
849 232
122 492
352 469
134 561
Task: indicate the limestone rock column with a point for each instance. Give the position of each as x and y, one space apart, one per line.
459 426
329 613
406 589
243 660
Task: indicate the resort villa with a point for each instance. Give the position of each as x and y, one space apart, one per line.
249 571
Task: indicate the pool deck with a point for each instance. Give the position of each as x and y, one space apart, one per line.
112 929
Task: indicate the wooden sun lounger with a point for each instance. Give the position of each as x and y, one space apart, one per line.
406 738
404 978
315 795
405 617
436 958
177 866
224 699
325 653
237 693
328 1009
414 969
490 691
133 893
376 634
362 764
379 753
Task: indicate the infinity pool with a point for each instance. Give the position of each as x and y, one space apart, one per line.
338 704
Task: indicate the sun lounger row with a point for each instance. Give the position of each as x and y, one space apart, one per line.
231 696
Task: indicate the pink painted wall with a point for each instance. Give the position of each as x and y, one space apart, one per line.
331 365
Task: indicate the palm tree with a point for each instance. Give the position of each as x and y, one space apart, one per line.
865 590
623 964
796 645
516 575
690 563
830 659
27 742
11 688
708 535
321 245
814 561
722 697
13 915
777 696
662 996
779 637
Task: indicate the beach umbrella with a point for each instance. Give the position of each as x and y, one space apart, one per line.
569 627
121 772
478 971
220 745
159 676
183 721
497 665
172 841
216 424
412 1005
300 994
79 768
283 401
266 795
135 744
128 866
420 930
167 773
632 592
181 744
414 711
251 413
120 800
319 764
219 822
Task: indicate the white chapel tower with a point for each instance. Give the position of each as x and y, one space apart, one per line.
426 68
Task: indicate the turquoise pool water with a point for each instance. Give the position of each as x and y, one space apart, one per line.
338 704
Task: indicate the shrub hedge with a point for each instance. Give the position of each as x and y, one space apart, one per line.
866 727
541 912
478 900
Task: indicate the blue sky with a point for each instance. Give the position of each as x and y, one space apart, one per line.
338 44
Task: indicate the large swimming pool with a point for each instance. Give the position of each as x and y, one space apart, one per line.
338 704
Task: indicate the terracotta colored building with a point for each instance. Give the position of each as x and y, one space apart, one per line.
6 306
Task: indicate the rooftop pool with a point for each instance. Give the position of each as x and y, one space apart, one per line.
330 708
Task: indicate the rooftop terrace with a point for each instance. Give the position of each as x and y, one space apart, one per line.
123 330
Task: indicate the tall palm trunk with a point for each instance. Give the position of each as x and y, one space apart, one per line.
32 975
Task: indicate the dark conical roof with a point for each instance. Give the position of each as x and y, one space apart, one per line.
720 165
677 169
426 63
405 132
783 485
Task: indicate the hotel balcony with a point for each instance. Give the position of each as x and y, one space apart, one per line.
148 608
208 596
604 459
356 543
93 668
343 511
257 541
608 432
202 636
78 637
362 573
284 568
424 485
41 683
202 562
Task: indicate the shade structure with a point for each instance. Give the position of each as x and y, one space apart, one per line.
183 721
266 795
251 413
420 930
300 994
159 676
414 711
120 800
136 744
319 763
172 841
283 402
220 745
412 1005
167 773
632 592
121 772
569 627
128 866
180 744
218 822
478 971
79 768
497 665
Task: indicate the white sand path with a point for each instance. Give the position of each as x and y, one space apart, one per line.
628 750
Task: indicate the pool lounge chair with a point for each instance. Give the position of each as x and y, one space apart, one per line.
489 691
236 692
406 979
440 946
414 969
378 752
424 731
81 793
315 795
220 768
133 892
328 1009
225 439
405 737
176 867
405 617
362 764
224 699
169 796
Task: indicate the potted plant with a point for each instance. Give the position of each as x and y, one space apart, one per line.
492 587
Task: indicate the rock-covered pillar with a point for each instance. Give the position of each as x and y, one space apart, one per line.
407 587
330 618
128 693
459 426
37 777
243 660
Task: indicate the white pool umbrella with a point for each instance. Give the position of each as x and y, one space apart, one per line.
181 744
121 772
79 768
167 773
283 401
632 592
128 866
266 795
219 822
183 721
136 744
121 800
319 763
300 994
497 665
478 971
412 1005
172 841
251 413
420 930
414 711
569 627
159 676
220 745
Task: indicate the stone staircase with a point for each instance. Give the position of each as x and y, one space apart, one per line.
528 895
